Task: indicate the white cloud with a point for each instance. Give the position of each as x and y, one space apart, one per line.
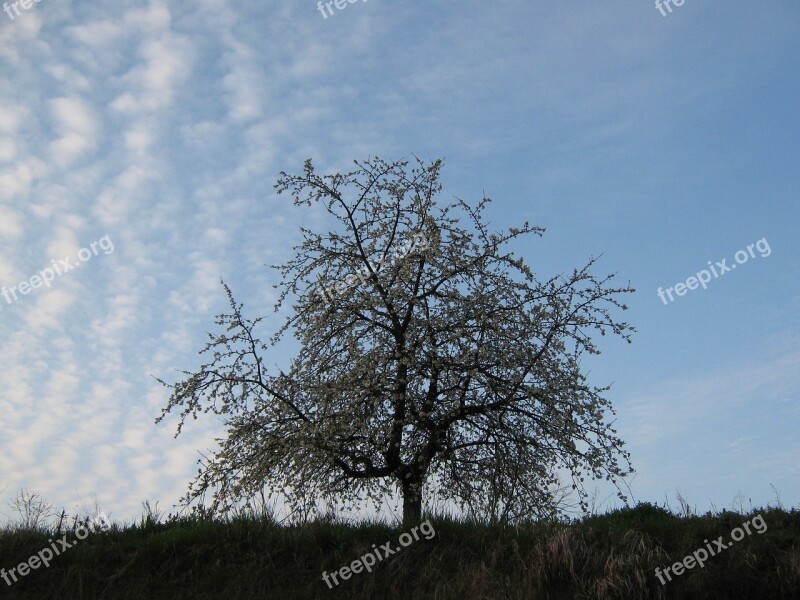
69 77
78 127
12 117
139 139
122 315
50 310
11 224
8 149
117 201
16 181
98 34
203 133
63 243
242 85
166 63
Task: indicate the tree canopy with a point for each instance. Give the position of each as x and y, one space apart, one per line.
431 359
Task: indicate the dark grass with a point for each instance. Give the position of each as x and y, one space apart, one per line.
607 556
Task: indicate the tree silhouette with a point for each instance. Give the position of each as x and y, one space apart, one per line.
429 356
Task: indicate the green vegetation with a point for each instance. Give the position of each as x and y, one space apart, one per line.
607 556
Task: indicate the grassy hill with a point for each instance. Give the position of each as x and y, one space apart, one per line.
609 556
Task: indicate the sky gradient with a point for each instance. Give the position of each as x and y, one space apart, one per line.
658 142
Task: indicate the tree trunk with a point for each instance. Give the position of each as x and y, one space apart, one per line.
412 502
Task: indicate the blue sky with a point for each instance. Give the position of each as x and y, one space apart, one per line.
661 143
